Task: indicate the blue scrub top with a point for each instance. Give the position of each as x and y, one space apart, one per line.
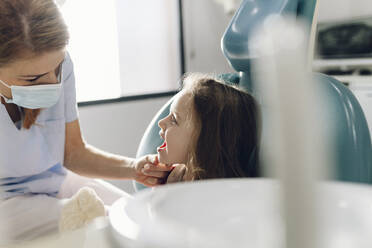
31 161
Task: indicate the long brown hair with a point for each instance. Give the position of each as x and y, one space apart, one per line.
30 27
228 123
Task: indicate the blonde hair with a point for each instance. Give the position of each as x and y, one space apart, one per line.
30 28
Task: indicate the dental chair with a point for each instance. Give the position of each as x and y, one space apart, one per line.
351 137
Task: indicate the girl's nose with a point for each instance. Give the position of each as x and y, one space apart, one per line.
161 123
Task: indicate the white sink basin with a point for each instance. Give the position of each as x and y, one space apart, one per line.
236 213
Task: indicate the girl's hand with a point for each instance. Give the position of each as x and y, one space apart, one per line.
178 174
150 172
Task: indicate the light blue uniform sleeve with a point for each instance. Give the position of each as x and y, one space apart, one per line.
71 113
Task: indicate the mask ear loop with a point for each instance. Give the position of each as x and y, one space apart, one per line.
6 99
60 72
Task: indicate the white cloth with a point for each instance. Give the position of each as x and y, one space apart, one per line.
30 216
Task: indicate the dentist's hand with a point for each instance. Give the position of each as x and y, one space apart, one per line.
150 172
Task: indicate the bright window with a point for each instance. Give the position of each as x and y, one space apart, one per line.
123 47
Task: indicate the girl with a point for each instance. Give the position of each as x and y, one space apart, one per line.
212 131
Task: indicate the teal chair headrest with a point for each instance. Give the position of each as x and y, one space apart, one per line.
236 42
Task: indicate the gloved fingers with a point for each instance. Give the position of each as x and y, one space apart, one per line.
158 167
157 174
152 159
140 163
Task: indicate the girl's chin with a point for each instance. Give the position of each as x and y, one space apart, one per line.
164 160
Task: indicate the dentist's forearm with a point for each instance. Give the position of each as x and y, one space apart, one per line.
91 162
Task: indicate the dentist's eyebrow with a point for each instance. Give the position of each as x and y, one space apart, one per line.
37 76
34 76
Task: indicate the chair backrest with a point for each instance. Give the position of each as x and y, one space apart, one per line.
352 140
349 136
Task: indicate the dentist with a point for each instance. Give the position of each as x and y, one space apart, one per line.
41 144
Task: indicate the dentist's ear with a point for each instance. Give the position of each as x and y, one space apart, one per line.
177 174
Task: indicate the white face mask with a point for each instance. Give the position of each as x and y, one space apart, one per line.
35 96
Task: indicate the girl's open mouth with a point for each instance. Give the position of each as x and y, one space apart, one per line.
163 146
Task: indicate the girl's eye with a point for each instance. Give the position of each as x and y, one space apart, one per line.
173 119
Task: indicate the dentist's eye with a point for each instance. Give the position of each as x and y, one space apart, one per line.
32 80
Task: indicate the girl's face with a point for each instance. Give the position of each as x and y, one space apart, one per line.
177 130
